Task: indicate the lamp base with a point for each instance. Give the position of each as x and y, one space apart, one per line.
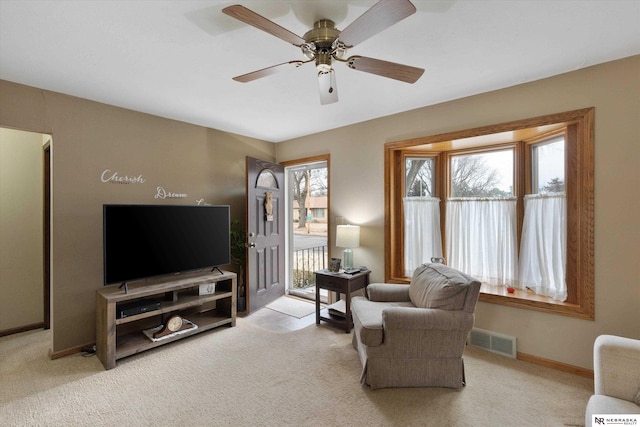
347 259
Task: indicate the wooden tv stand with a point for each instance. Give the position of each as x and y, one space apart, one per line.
121 337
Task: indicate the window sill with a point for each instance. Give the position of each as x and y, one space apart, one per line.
530 301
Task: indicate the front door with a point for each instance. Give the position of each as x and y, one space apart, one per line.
265 231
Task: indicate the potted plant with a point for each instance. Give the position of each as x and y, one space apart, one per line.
239 258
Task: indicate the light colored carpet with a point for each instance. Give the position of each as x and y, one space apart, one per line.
292 307
248 376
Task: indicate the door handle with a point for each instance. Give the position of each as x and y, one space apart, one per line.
252 245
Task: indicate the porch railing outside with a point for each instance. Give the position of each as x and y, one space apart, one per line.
306 262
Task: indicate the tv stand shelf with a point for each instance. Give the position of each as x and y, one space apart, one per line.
121 337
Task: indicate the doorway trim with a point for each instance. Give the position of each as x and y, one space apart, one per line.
47 167
46 234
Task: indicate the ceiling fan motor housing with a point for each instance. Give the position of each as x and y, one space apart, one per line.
322 36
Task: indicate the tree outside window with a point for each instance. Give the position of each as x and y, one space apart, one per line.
487 174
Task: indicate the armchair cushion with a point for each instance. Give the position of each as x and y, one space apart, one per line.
439 286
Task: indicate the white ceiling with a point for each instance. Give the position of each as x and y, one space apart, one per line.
175 59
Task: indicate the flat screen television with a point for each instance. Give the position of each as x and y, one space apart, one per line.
142 241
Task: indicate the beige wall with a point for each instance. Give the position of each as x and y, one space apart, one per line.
209 164
21 216
357 192
90 138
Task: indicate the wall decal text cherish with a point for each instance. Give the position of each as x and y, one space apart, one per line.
116 178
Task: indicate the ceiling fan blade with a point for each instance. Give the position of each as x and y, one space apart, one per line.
379 17
250 17
254 75
388 69
328 87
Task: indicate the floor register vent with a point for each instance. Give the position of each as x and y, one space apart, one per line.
493 342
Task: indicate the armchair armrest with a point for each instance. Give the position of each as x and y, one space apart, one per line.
387 292
616 366
410 318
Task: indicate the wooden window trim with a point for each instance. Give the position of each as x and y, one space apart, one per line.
579 158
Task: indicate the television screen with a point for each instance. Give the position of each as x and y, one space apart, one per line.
142 241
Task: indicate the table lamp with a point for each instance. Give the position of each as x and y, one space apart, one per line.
347 236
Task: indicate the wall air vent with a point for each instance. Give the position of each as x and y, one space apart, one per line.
493 342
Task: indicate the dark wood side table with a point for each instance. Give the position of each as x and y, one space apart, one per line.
342 284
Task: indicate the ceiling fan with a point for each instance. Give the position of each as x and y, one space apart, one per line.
325 43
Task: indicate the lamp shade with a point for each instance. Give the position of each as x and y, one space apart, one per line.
348 236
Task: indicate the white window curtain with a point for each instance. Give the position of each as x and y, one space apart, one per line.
482 238
543 247
422 237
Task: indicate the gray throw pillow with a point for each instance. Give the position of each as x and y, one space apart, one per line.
439 286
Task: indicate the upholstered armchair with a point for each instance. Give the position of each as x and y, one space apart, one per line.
616 377
414 335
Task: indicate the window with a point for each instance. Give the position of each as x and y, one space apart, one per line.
542 264
421 212
480 226
267 179
482 197
547 166
419 176
484 174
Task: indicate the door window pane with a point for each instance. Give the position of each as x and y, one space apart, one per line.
267 179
